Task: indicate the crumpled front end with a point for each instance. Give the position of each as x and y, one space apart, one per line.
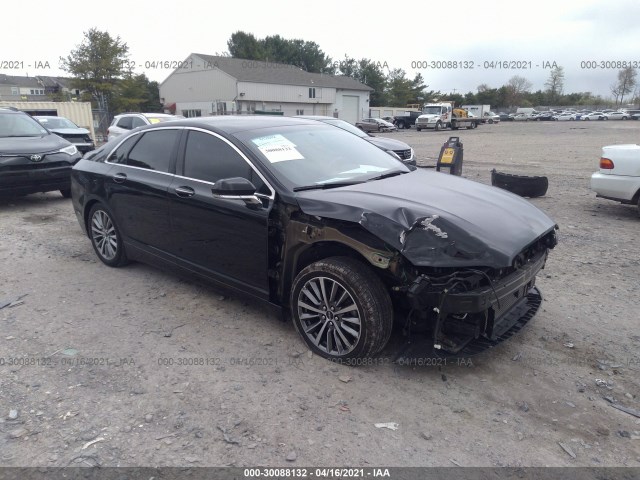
469 310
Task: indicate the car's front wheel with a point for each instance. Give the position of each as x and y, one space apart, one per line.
105 237
341 309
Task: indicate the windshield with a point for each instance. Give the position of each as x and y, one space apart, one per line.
57 122
346 126
431 110
315 155
17 125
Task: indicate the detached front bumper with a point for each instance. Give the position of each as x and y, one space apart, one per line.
483 316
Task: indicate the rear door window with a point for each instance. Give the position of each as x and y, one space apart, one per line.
154 150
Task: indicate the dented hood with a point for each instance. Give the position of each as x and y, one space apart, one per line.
436 219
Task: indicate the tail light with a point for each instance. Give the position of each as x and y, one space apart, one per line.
606 163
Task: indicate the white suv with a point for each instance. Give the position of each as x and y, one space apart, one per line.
128 121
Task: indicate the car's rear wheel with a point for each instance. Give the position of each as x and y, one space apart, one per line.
341 309
105 237
400 125
66 192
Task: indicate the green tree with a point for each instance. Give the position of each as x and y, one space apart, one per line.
135 93
97 64
245 45
304 54
370 73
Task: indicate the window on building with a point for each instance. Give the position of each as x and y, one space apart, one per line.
191 113
154 150
15 91
312 92
300 112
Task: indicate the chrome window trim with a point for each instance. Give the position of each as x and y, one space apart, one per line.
140 168
239 152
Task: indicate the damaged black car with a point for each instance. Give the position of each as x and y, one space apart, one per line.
335 232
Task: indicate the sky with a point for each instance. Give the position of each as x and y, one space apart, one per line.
491 40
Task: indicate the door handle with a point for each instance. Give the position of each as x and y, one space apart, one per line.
119 177
185 192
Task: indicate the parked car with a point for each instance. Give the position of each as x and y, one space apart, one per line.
595 116
633 114
565 116
506 117
544 116
618 116
65 128
619 175
32 159
375 125
390 145
492 117
521 117
125 122
316 222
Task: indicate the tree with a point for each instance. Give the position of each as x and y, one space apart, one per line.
625 84
245 45
370 73
517 86
97 64
135 93
306 55
555 85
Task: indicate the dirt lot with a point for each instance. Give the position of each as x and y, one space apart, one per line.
158 371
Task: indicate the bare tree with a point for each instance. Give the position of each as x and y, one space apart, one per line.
555 84
625 85
516 87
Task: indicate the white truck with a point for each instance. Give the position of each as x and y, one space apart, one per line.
483 112
438 116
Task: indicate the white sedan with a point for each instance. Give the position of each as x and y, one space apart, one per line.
565 116
619 175
618 116
595 116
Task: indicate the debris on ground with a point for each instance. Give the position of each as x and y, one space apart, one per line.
517 357
88 444
226 436
630 411
344 378
12 302
13 414
569 345
567 449
291 456
389 425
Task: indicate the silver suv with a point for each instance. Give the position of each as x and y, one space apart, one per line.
125 122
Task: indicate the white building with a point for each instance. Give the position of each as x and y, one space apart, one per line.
207 85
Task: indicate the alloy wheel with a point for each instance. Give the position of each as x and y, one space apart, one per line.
329 316
103 233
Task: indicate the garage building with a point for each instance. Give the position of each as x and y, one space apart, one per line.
206 85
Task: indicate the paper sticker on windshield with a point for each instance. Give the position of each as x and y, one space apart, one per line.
277 148
154 120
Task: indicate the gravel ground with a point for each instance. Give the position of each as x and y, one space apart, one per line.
137 367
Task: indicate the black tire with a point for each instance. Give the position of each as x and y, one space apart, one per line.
367 295
624 118
66 192
438 127
522 185
418 129
400 125
473 125
380 128
537 119
110 250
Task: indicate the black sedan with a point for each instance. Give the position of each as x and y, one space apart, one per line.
390 145
32 159
330 229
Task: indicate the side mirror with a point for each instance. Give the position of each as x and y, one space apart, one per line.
236 188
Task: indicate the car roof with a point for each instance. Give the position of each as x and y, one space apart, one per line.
236 123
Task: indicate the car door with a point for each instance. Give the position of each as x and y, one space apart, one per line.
137 184
224 239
